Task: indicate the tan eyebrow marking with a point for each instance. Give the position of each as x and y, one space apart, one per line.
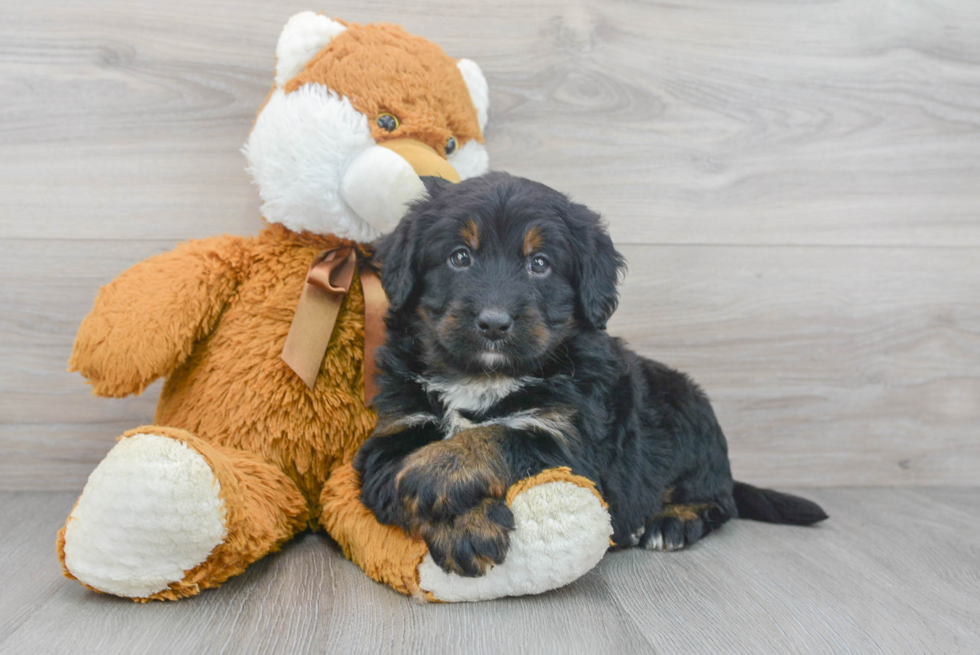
533 240
470 234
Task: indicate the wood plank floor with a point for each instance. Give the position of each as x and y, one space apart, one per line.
795 185
893 571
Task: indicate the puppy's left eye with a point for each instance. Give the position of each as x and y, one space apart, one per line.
460 258
451 146
538 265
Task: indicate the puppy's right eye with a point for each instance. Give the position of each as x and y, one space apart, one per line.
460 258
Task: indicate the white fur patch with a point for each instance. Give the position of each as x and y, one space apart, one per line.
454 423
298 152
474 394
478 394
379 185
150 511
303 36
561 532
656 542
471 160
535 419
492 359
413 420
479 90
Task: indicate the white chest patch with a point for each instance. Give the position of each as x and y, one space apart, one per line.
477 394
471 394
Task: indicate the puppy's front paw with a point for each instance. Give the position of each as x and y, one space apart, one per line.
472 542
447 479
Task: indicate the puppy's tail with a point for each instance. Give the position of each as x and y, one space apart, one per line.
775 507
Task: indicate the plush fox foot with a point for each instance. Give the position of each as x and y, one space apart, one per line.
165 515
562 530
150 511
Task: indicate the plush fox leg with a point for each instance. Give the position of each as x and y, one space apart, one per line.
562 529
384 552
167 514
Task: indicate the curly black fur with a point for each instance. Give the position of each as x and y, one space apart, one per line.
538 384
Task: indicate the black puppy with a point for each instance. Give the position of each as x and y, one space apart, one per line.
500 290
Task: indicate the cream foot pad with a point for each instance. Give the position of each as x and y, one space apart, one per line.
149 512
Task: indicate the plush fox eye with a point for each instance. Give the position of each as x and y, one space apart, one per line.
538 265
460 258
450 146
387 122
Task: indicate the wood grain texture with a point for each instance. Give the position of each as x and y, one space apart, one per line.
796 187
826 366
698 121
893 571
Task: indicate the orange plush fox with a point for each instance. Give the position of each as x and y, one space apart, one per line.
243 454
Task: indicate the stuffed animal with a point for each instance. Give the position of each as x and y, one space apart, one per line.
247 450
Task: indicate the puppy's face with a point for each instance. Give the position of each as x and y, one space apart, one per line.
495 272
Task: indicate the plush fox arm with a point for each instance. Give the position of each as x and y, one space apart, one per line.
145 322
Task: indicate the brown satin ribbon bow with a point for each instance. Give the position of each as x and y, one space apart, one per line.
327 282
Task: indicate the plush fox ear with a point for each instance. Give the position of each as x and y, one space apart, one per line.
477 84
304 35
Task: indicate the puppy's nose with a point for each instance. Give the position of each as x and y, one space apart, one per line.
494 324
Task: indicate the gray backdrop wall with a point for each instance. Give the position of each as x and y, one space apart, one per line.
796 187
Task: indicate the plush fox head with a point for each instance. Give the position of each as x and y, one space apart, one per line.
357 114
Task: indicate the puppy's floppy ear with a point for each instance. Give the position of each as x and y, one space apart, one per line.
396 252
599 266
399 250
434 185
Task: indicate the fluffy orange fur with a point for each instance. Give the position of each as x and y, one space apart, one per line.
405 75
384 552
212 316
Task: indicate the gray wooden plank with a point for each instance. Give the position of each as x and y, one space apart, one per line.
892 571
827 365
306 599
844 587
691 122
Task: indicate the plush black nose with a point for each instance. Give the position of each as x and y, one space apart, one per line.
494 324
